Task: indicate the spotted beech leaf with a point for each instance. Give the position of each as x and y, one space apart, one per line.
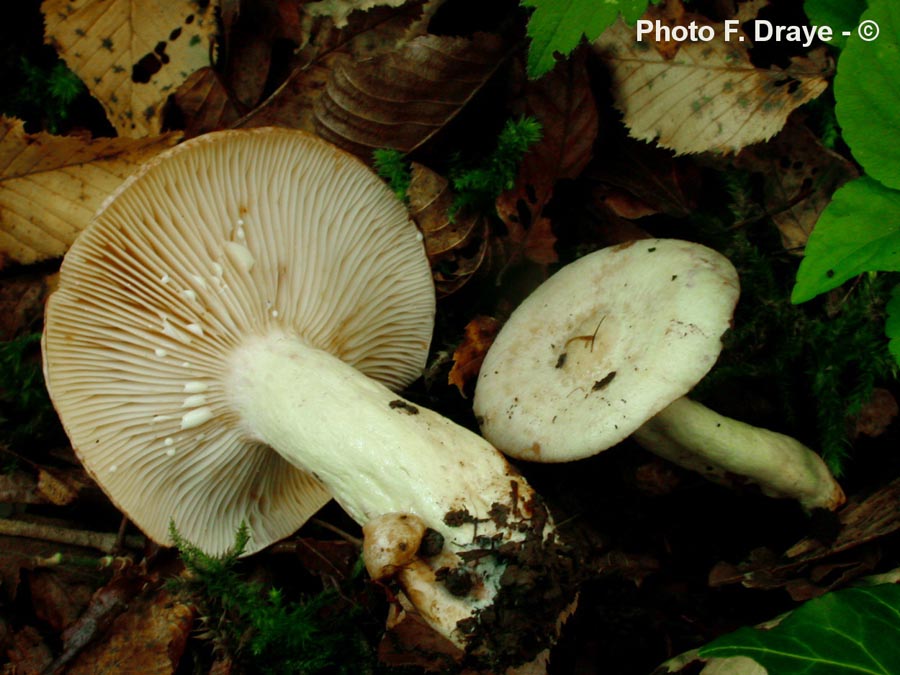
701 96
131 54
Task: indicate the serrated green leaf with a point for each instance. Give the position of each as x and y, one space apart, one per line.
839 15
868 98
892 325
851 631
557 26
859 231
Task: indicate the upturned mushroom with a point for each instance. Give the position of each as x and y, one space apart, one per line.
609 346
223 349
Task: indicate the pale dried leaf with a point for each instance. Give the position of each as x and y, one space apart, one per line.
131 54
708 96
51 186
55 489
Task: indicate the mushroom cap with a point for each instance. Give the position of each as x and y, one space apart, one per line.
602 346
231 234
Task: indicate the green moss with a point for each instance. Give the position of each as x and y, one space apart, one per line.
26 414
53 91
478 186
393 167
820 361
258 627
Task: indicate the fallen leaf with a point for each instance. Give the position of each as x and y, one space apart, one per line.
654 177
57 598
380 82
479 334
564 105
877 413
28 654
803 569
22 302
205 103
339 10
799 175
366 35
131 54
55 488
51 186
147 639
708 96
456 243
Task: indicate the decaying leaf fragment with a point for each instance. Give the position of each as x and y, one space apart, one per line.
799 175
708 96
479 334
131 54
455 243
51 186
564 105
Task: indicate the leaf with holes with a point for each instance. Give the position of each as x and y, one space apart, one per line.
131 54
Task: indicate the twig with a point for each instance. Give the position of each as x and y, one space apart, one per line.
102 541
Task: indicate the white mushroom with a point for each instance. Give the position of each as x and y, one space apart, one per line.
223 347
608 347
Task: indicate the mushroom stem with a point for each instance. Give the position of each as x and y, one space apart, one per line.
379 454
697 438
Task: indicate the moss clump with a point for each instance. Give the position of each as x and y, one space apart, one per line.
257 627
823 358
26 414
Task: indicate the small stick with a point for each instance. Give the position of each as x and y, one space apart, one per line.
102 541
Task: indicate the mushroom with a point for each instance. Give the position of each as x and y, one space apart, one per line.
609 346
223 349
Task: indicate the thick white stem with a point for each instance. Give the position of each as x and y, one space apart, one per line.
379 454
697 438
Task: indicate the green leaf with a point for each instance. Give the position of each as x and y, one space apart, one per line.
851 631
892 325
558 26
859 231
839 15
868 98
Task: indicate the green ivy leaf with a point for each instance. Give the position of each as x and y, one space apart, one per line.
859 231
839 15
868 97
856 630
558 26
892 325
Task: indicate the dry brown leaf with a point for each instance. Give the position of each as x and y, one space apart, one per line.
877 413
205 103
22 302
147 639
28 654
51 186
131 54
400 99
57 597
380 82
366 35
55 489
339 10
479 335
455 244
564 105
708 96
799 175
